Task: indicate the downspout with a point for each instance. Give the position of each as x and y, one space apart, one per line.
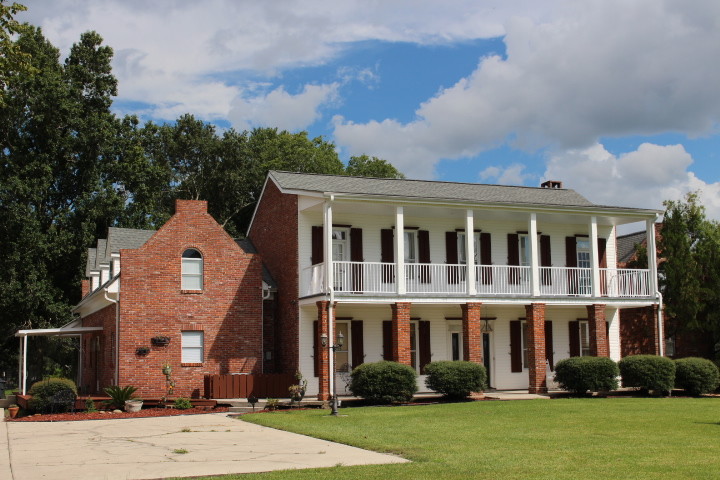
117 335
661 333
265 296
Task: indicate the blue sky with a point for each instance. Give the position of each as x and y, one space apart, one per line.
619 99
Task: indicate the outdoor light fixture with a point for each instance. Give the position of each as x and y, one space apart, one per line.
339 342
486 326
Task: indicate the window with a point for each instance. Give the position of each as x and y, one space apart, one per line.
462 254
411 248
455 341
192 270
584 338
342 354
192 346
414 345
583 261
524 245
526 362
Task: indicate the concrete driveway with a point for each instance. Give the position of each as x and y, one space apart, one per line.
151 448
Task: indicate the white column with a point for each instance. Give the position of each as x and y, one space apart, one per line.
651 255
24 365
20 365
330 286
400 251
534 256
594 258
612 315
470 249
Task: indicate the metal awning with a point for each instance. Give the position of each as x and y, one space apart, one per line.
72 329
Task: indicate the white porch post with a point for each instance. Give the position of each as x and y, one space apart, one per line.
613 318
470 249
330 287
534 262
400 251
651 254
594 258
24 364
20 364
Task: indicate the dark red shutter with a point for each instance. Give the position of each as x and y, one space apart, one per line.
545 259
387 340
485 259
516 353
317 246
356 255
549 344
571 262
574 330
451 257
424 255
513 257
602 247
424 344
316 350
358 346
387 254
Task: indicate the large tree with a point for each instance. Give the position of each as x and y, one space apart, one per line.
13 60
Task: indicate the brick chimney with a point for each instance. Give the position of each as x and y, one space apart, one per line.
551 184
190 206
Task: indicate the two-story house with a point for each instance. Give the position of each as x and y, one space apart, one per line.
413 271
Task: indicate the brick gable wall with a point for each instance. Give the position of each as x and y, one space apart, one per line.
274 233
228 309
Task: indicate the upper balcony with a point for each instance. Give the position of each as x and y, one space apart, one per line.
376 278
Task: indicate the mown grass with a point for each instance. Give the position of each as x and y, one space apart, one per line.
540 439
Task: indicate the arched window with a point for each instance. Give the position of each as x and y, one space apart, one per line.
192 270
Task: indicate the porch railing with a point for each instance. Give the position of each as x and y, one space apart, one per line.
451 279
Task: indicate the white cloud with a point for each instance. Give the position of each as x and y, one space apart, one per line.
597 68
511 175
281 109
643 178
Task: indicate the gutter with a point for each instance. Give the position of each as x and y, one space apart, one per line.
117 335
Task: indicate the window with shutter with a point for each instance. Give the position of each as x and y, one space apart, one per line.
357 342
516 352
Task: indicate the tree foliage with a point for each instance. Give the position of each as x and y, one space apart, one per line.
70 168
690 268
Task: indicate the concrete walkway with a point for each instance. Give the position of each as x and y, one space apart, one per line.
150 448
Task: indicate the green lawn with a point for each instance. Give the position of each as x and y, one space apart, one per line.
553 439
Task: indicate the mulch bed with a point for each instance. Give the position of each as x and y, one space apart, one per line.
147 412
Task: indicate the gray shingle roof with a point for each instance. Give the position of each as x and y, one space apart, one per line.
626 245
118 238
452 191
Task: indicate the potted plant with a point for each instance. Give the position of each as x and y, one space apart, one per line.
13 410
160 340
133 405
166 369
297 391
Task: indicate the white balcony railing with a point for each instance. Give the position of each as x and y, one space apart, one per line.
443 279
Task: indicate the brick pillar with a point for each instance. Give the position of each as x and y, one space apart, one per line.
401 332
471 332
323 352
598 330
653 312
535 317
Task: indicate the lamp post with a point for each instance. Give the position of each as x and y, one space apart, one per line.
338 344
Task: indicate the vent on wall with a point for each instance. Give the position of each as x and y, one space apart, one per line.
551 184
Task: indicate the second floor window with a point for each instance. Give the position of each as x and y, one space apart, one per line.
411 255
192 270
524 245
462 254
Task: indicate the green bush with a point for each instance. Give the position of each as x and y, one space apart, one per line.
119 395
648 372
582 374
696 375
52 394
182 403
455 379
384 382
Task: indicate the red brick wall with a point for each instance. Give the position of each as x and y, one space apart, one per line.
638 331
472 332
535 315
98 369
274 232
228 309
401 332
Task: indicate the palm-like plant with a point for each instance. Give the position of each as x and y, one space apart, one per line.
118 395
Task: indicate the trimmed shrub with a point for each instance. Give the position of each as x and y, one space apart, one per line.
52 394
455 379
182 403
582 374
384 382
648 372
696 375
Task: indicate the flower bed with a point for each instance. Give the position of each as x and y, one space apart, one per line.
147 412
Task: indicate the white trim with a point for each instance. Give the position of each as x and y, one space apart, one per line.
400 250
470 251
594 257
534 262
